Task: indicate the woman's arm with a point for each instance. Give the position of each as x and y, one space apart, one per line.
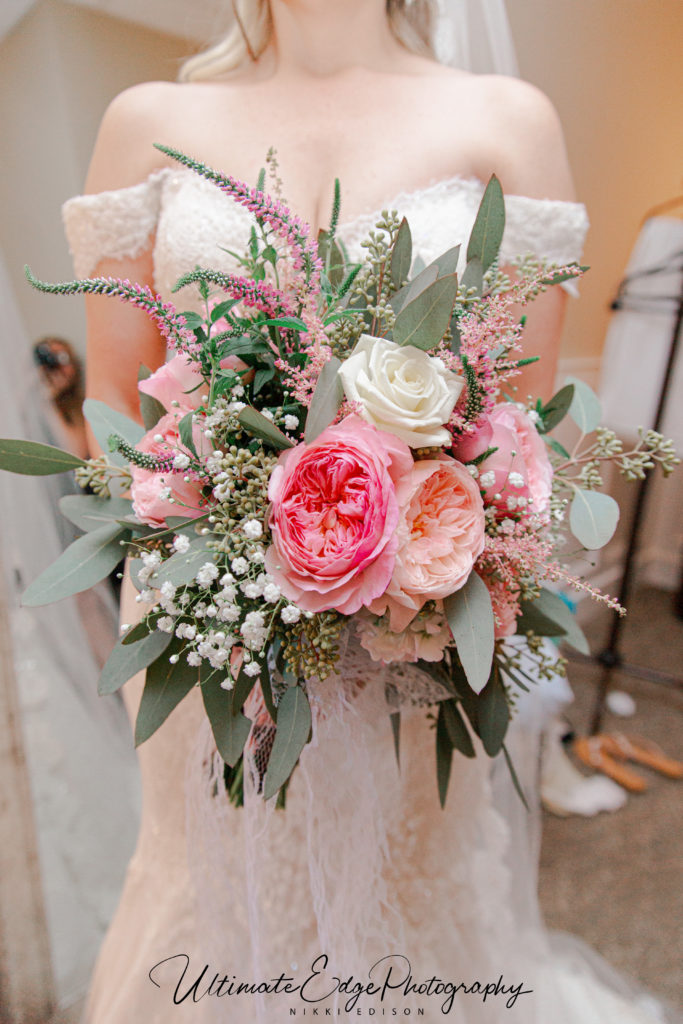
528 153
120 337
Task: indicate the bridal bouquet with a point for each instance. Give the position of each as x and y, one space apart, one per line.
331 455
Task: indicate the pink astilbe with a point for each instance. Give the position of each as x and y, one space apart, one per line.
300 381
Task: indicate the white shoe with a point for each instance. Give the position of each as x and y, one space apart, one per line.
564 790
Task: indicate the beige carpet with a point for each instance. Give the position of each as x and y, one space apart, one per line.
615 880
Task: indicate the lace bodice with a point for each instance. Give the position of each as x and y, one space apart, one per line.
194 224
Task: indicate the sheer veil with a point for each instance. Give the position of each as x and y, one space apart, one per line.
475 35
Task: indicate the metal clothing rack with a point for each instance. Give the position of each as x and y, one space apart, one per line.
610 658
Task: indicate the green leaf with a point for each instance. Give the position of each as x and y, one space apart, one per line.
470 617
222 309
554 610
165 686
32 459
424 320
457 730
532 618
84 563
229 726
151 410
137 632
244 684
259 425
557 408
447 262
494 714
88 512
421 281
326 401
513 775
105 421
267 691
395 719
585 408
185 432
444 756
401 255
557 447
126 660
489 225
262 377
183 566
293 729
593 518
291 323
473 277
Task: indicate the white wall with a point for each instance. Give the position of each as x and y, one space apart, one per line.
59 68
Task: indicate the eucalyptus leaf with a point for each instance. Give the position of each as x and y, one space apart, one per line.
470 617
260 426
151 410
424 321
593 518
88 512
230 727
185 432
585 408
494 714
444 757
554 411
293 729
513 775
126 660
457 730
447 262
421 281
489 225
326 401
105 421
32 459
183 566
473 277
395 719
401 255
166 685
558 448
84 563
553 609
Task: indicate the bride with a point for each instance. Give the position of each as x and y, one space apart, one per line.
363 875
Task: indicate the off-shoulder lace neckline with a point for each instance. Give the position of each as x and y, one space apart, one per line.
398 201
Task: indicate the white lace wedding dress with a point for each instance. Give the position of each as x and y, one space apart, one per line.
363 864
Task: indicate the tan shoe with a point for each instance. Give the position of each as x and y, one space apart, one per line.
643 752
590 750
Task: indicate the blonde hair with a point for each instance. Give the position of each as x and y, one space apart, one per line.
411 21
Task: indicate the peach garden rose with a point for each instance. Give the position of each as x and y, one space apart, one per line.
334 516
440 536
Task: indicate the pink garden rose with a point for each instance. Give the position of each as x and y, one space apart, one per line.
440 536
334 516
148 491
424 638
519 469
179 380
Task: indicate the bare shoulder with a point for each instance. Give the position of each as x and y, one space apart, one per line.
520 136
124 152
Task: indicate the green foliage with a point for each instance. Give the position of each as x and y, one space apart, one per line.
105 421
89 512
444 756
166 684
401 255
293 730
593 518
489 225
585 408
457 730
470 617
494 713
326 401
84 563
554 411
183 566
258 425
32 459
423 321
548 615
229 725
126 660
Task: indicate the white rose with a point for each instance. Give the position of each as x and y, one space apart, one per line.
401 389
